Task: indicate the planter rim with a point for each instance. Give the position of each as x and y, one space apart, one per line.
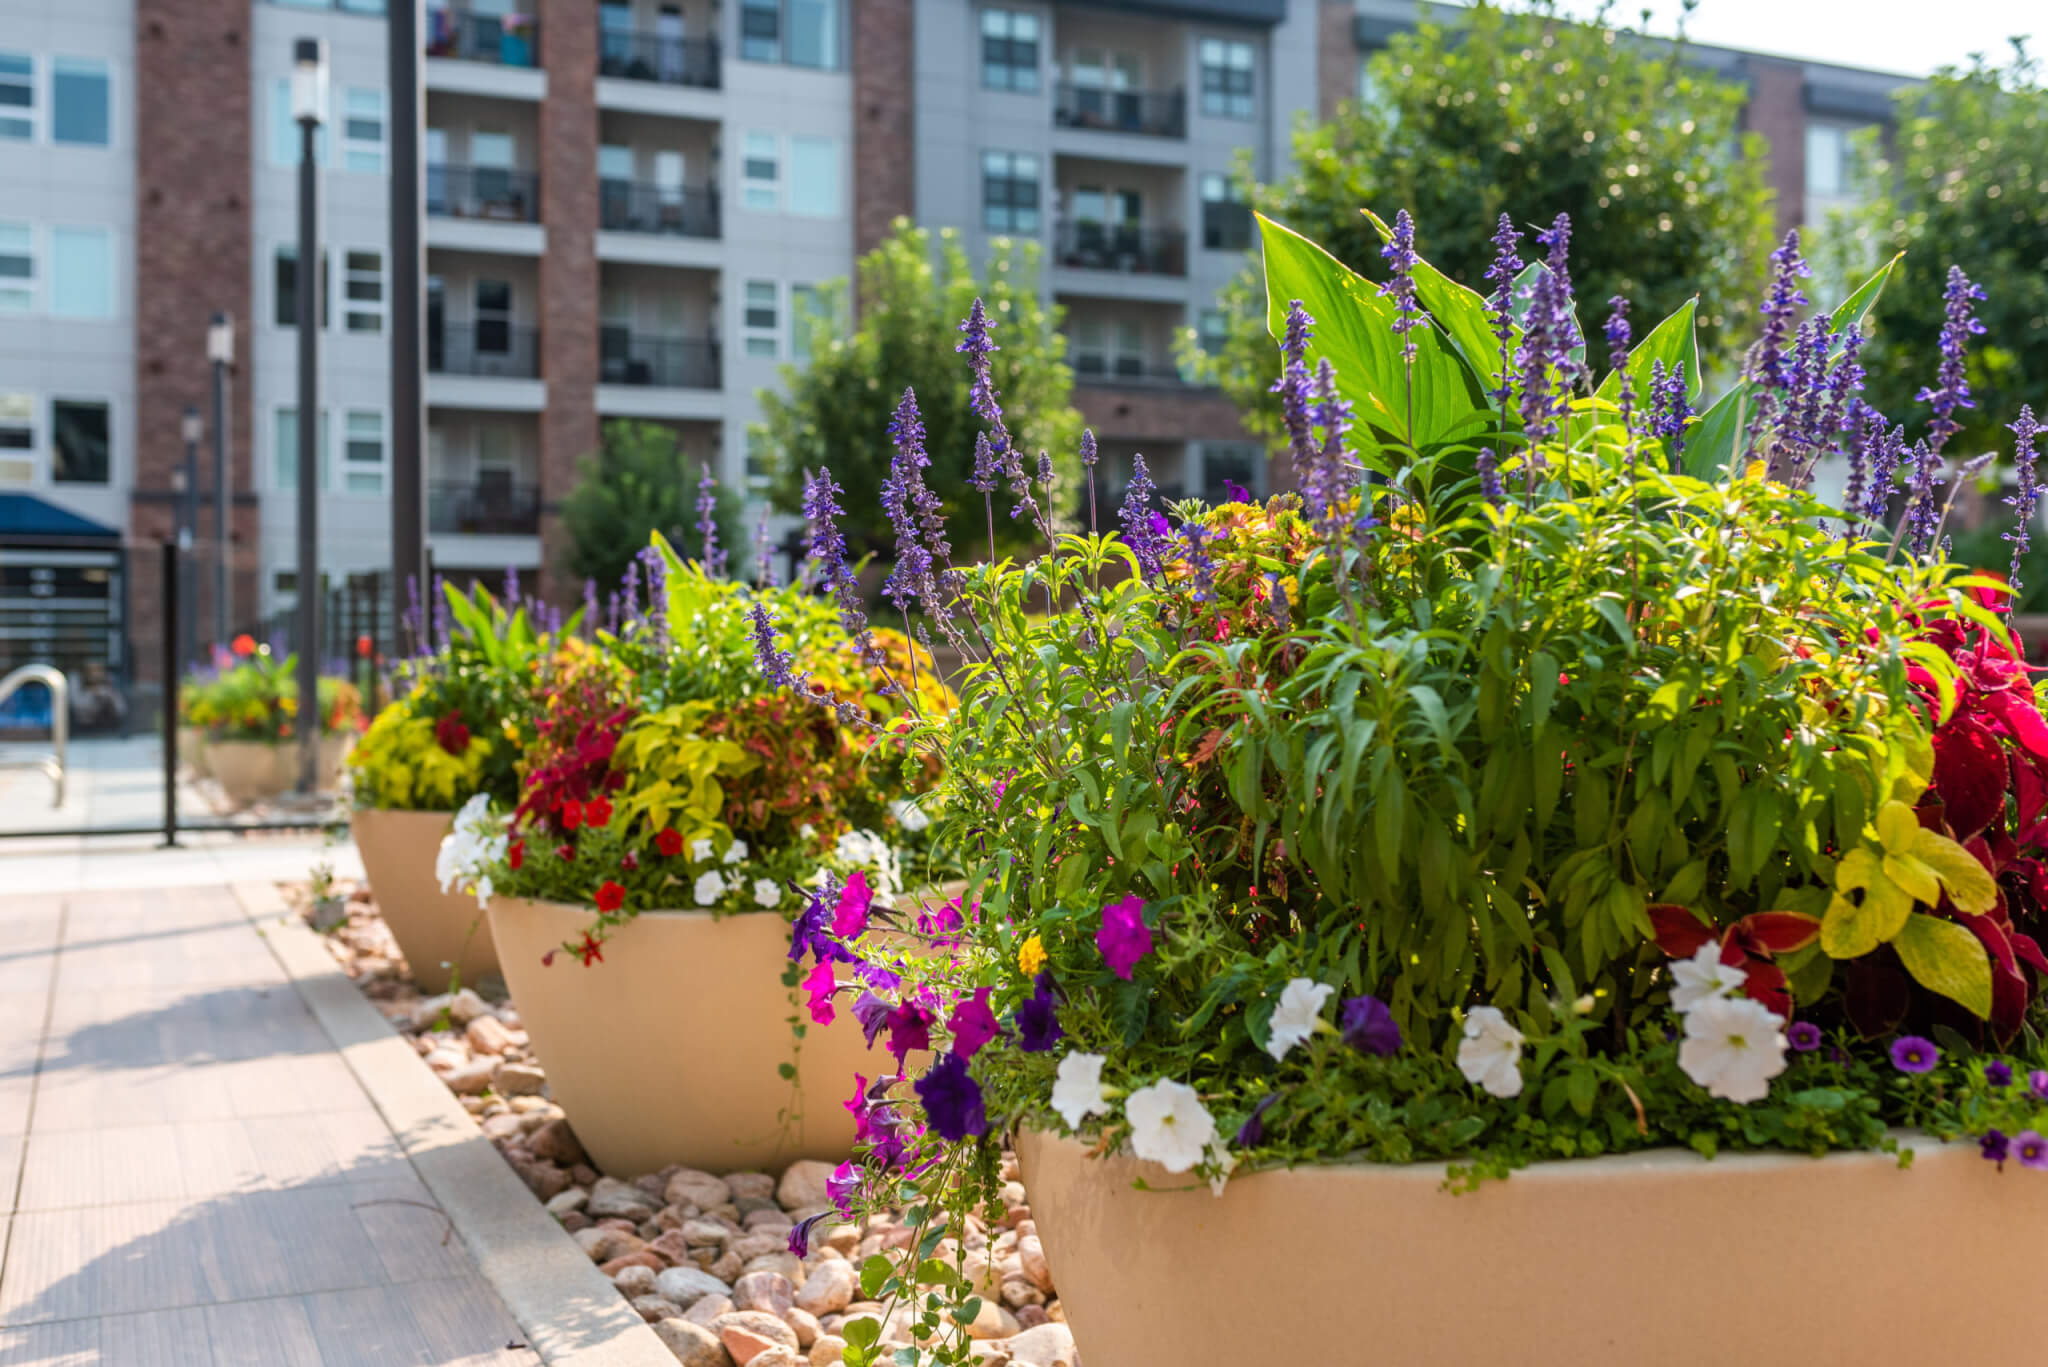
676 913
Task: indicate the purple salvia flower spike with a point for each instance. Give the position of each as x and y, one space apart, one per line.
1951 390
1141 533
511 587
764 561
712 557
2026 496
1500 305
1399 254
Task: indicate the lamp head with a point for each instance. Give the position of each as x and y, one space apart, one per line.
309 80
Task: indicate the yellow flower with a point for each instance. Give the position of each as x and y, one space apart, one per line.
1031 956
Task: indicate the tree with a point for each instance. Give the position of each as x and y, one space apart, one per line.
837 409
640 482
1968 186
1531 115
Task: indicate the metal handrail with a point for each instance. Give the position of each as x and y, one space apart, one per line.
60 721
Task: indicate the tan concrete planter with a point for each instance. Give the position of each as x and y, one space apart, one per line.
439 932
248 770
192 749
1662 1258
666 1052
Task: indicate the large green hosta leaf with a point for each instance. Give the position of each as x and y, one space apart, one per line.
1354 331
1671 342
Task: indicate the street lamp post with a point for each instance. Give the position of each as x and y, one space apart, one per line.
309 108
188 528
408 424
220 350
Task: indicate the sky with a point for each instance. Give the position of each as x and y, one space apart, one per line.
1912 37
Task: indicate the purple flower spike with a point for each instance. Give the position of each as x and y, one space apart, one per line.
1951 389
2031 1150
511 587
1088 448
1368 1026
1923 510
773 663
1912 1054
1995 1147
1803 1036
1144 539
1766 362
712 557
1488 465
1500 304
978 344
2026 495
952 1100
984 475
1618 334
1124 938
1399 254
1201 568
1548 335
1998 1074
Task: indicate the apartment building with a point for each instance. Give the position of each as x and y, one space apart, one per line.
626 206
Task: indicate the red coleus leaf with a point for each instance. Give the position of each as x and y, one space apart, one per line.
1970 775
2023 722
2008 985
1766 985
1775 932
1679 932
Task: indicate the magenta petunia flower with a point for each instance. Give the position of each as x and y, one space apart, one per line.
1803 1036
910 1027
1912 1054
1998 1074
842 1186
818 982
2030 1149
850 917
2037 1084
1124 938
973 1024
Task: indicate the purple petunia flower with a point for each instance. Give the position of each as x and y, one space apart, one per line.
1995 1147
800 1233
910 1027
952 1099
872 1013
1252 1133
973 1024
1998 1073
2030 1149
1233 492
810 932
1803 1036
1124 938
1037 1021
1912 1054
2037 1084
1951 388
1368 1026
842 1186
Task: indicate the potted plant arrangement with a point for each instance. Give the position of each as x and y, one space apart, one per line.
675 815
1554 789
247 713
454 736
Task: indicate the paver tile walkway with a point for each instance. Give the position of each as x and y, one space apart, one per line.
190 1173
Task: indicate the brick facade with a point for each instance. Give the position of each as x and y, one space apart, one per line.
1777 110
1336 55
884 118
193 123
1163 414
568 271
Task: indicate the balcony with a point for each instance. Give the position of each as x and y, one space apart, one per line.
1095 368
1158 113
486 506
1122 247
654 57
490 348
501 40
629 358
488 192
670 210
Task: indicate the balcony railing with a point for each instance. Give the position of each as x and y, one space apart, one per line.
1160 113
502 39
483 192
627 357
1122 247
638 207
1098 369
488 347
657 57
483 508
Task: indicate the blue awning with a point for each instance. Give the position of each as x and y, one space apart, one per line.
28 518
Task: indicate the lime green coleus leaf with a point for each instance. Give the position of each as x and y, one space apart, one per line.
1908 865
1946 958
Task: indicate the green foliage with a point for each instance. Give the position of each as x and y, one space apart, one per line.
1966 183
837 408
1527 114
639 483
257 698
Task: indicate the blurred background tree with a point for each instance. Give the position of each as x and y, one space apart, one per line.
639 481
837 409
1529 114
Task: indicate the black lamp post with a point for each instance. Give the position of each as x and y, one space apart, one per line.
187 482
309 107
220 350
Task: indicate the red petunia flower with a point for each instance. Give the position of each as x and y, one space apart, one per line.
610 896
451 735
571 814
669 841
515 854
245 645
629 861
589 951
565 852
597 811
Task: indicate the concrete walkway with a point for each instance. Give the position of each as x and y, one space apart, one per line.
192 1172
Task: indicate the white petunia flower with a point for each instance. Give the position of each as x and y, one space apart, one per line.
735 851
1294 1019
909 815
476 841
1733 1047
710 887
700 849
1490 1056
807 831
1169 1125
767 892
1079 1088
1702 978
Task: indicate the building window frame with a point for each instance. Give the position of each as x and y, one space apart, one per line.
1012 193
777 31
285 297
362 290
761 193
56 429
813 147
1229 79
374 471
284 457
1226 217
20 120
363 129
109 277
1012 60
29 281
18 412
761 315
87 68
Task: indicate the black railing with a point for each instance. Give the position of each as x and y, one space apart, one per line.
1122 247
483 192
654 57
629 206
505 40
626 357
1161 113
490 347
1125 370
483 508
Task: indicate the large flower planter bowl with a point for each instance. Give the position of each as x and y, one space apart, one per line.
667 1050
249 770
1661 1257
192 749
438 932
334 748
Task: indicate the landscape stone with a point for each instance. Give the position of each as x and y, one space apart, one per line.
1049 1345
689 1187
693 1344
556 1142
767 1291
687 1285
803 1185
518 1079
828 1289
747 1334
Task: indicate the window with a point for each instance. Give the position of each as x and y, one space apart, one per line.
78 102
17 96
493 317
362 459
285 455
79 442
806 321
1226 78
17 268
1091 347
1213 331
814 34
1830 160
285 274
814 177
17 422
760 459
1226 464
761 30
1009 192
82 272
763 319
362 130
1226 219
363 292
1009 50
762 173
284 129
1092 69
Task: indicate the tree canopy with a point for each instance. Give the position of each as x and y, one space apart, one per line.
639 481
